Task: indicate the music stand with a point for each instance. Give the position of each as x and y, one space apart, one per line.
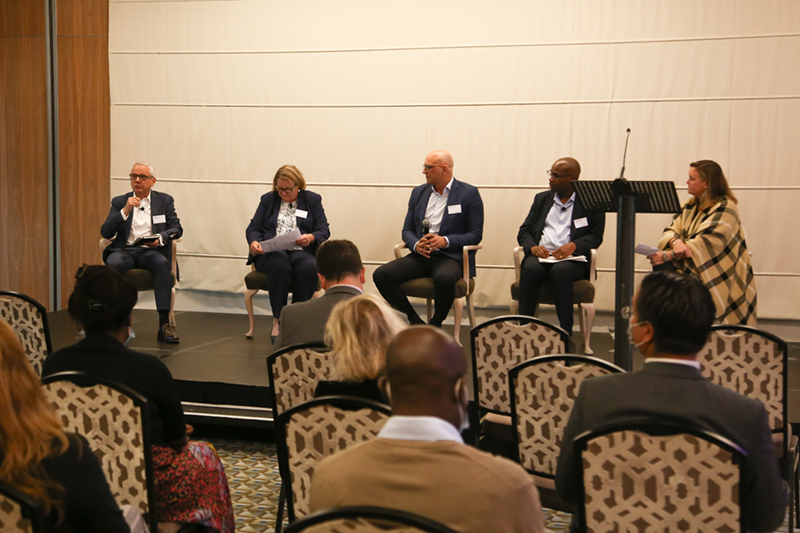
626 198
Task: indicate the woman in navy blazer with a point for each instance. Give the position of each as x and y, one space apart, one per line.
288 206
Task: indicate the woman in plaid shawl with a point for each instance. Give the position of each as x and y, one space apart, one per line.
706 240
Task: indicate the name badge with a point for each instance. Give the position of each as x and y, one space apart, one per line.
159 219
453 209
581 222
299 213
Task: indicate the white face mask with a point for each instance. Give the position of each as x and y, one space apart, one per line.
631 325
462 411
131 335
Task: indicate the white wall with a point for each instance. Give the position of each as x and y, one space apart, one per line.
218 94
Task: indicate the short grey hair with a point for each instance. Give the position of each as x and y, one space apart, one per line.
149 167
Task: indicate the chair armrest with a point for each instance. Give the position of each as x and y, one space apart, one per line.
104 243
466 251
397 248
175 256
519 253
592 266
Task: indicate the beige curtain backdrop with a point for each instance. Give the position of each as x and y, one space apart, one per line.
218 94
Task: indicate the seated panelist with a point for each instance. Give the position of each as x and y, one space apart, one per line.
137 215
288 206
454 211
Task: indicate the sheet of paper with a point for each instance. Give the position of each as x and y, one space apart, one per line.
284 242
645 249
579 258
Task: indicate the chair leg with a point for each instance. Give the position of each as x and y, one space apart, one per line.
172 308
471 310
586 314
458 311
513 308
248 303
430 311
281 505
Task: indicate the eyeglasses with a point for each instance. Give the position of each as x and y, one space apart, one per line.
428 168
286 190
141 177
556 176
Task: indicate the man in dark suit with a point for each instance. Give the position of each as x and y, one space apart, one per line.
672 316
140 214
557 227
455 213
342 276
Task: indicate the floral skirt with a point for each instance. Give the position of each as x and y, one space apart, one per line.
191 487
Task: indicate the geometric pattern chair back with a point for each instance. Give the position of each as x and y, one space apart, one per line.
294 373
753 363
543 392
28 319
19 513
686 480
114 419
502 343
310 432
366 520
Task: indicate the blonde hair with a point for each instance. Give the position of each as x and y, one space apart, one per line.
291 173
358 332
716 184
28 427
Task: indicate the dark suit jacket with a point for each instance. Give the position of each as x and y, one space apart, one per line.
679 394
265 221
305 321
461 229
117 229
585 238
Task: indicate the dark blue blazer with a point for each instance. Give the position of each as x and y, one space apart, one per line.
265 221
585 238
461 229
117 229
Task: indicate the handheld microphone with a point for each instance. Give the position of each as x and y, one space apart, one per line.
426 227
624 155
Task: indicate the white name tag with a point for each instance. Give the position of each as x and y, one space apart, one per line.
453 209
159 219
300 213
581 222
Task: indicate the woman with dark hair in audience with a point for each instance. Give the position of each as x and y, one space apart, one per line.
706 240
358 332
190 483
56 469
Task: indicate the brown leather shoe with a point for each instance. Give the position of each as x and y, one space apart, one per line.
166 333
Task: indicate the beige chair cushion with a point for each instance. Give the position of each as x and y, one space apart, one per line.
423 288
256 281
584 292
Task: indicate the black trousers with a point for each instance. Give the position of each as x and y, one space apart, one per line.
444 270
561 276
147 259
293 270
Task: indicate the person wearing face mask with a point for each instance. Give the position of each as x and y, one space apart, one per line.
190 482
419 462
671 319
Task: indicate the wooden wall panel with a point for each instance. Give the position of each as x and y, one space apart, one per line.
23 150
84 130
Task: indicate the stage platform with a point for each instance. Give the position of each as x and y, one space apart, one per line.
222 376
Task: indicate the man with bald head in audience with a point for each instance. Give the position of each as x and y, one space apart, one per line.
419 463
454 214
557 227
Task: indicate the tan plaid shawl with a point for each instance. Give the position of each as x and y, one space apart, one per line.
719 257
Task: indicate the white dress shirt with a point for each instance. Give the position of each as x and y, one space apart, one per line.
557 224
142 223
425 428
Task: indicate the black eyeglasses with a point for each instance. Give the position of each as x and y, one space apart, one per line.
142 177
285 190
428 168
556 176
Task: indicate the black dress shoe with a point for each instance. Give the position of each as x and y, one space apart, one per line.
166 333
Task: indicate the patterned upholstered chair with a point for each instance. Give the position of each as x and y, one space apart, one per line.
28 318
366 520
465 287
256 281
756 364
543 391
143 279
294 373
584 295
19 513
624 468
114 420
310 432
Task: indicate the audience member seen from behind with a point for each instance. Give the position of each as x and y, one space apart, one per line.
58 470
288 206
706 240
190 482
358 333
670 323
419 463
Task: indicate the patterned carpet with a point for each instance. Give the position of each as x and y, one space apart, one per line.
252 469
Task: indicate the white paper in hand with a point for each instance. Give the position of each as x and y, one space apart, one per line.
283 242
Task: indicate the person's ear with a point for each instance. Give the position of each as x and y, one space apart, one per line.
647 333
383 386
323 283
362 277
